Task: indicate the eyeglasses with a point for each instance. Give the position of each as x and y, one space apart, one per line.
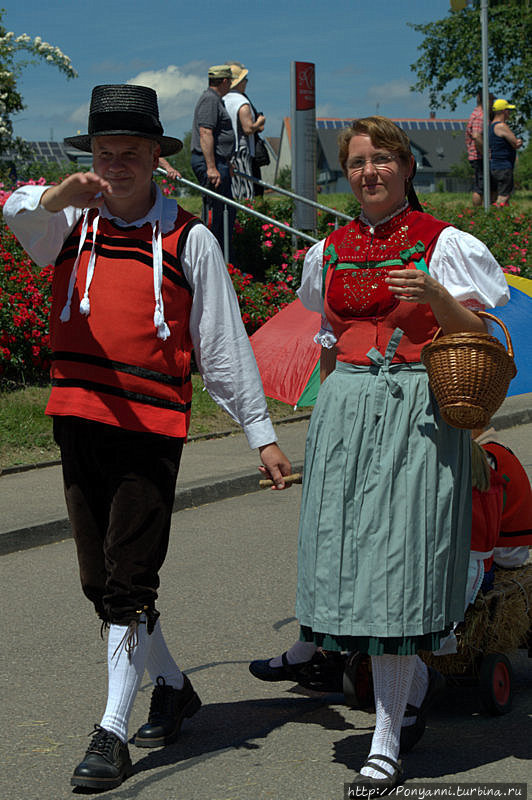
379 161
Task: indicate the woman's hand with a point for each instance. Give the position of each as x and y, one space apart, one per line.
413 286
416 286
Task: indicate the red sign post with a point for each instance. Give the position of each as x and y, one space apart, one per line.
304 141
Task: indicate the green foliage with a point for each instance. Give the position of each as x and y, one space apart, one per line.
523 169
181 161
259 245
51 171
450 64
11 100
462 169
284 178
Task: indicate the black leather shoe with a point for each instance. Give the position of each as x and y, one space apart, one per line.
411 734
168 708
322 673
378 786
262 670
106 763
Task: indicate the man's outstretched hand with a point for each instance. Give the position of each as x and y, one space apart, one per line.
81 190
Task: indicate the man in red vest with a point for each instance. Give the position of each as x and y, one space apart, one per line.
138 283
515 534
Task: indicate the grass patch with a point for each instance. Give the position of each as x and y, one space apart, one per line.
27 432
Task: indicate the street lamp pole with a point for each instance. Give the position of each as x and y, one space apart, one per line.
459 5
485 104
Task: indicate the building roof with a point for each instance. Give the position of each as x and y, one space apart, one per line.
274 142
436 143
49 151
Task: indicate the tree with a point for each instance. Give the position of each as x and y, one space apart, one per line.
523 167
450 64
11 100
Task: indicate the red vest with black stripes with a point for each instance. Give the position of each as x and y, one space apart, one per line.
516 523
110 366
358 303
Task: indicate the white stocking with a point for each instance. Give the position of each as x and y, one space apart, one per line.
125 671
298 653
160 662
392 677
418 689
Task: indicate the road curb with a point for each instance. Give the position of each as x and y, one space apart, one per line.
190 496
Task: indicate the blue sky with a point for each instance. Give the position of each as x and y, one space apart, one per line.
362 52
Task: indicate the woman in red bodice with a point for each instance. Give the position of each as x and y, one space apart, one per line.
385 522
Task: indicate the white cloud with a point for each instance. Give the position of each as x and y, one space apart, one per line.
326 110
390 91
80 115
177 88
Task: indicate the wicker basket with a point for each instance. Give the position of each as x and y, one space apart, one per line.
469 374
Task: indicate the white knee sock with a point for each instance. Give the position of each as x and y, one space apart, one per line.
160 661
418 689
125 671
298 653
392 677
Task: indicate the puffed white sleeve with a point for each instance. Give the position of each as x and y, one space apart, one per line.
40 232
467 269
221 345
310 292
311 280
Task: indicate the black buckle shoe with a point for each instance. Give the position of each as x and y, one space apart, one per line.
322 673
168 708
106 763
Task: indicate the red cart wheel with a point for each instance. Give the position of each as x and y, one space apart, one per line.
357 681
495 684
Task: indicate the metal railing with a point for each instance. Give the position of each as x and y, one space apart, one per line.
300 199
228 202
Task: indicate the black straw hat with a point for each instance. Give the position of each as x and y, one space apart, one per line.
127 110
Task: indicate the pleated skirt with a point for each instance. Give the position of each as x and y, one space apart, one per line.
385 524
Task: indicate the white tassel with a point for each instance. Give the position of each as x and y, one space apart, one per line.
85 305
163 331
65 313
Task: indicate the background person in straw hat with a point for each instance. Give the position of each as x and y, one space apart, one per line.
385 524
245 125
138 283
503 145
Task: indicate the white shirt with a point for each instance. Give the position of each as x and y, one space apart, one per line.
233 102
221 345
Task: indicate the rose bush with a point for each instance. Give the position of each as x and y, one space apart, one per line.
25 292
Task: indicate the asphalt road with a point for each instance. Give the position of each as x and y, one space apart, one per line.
227 597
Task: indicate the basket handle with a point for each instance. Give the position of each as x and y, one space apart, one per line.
493 318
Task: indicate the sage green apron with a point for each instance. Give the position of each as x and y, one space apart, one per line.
385 524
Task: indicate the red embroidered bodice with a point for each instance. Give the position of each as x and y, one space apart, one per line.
361 309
